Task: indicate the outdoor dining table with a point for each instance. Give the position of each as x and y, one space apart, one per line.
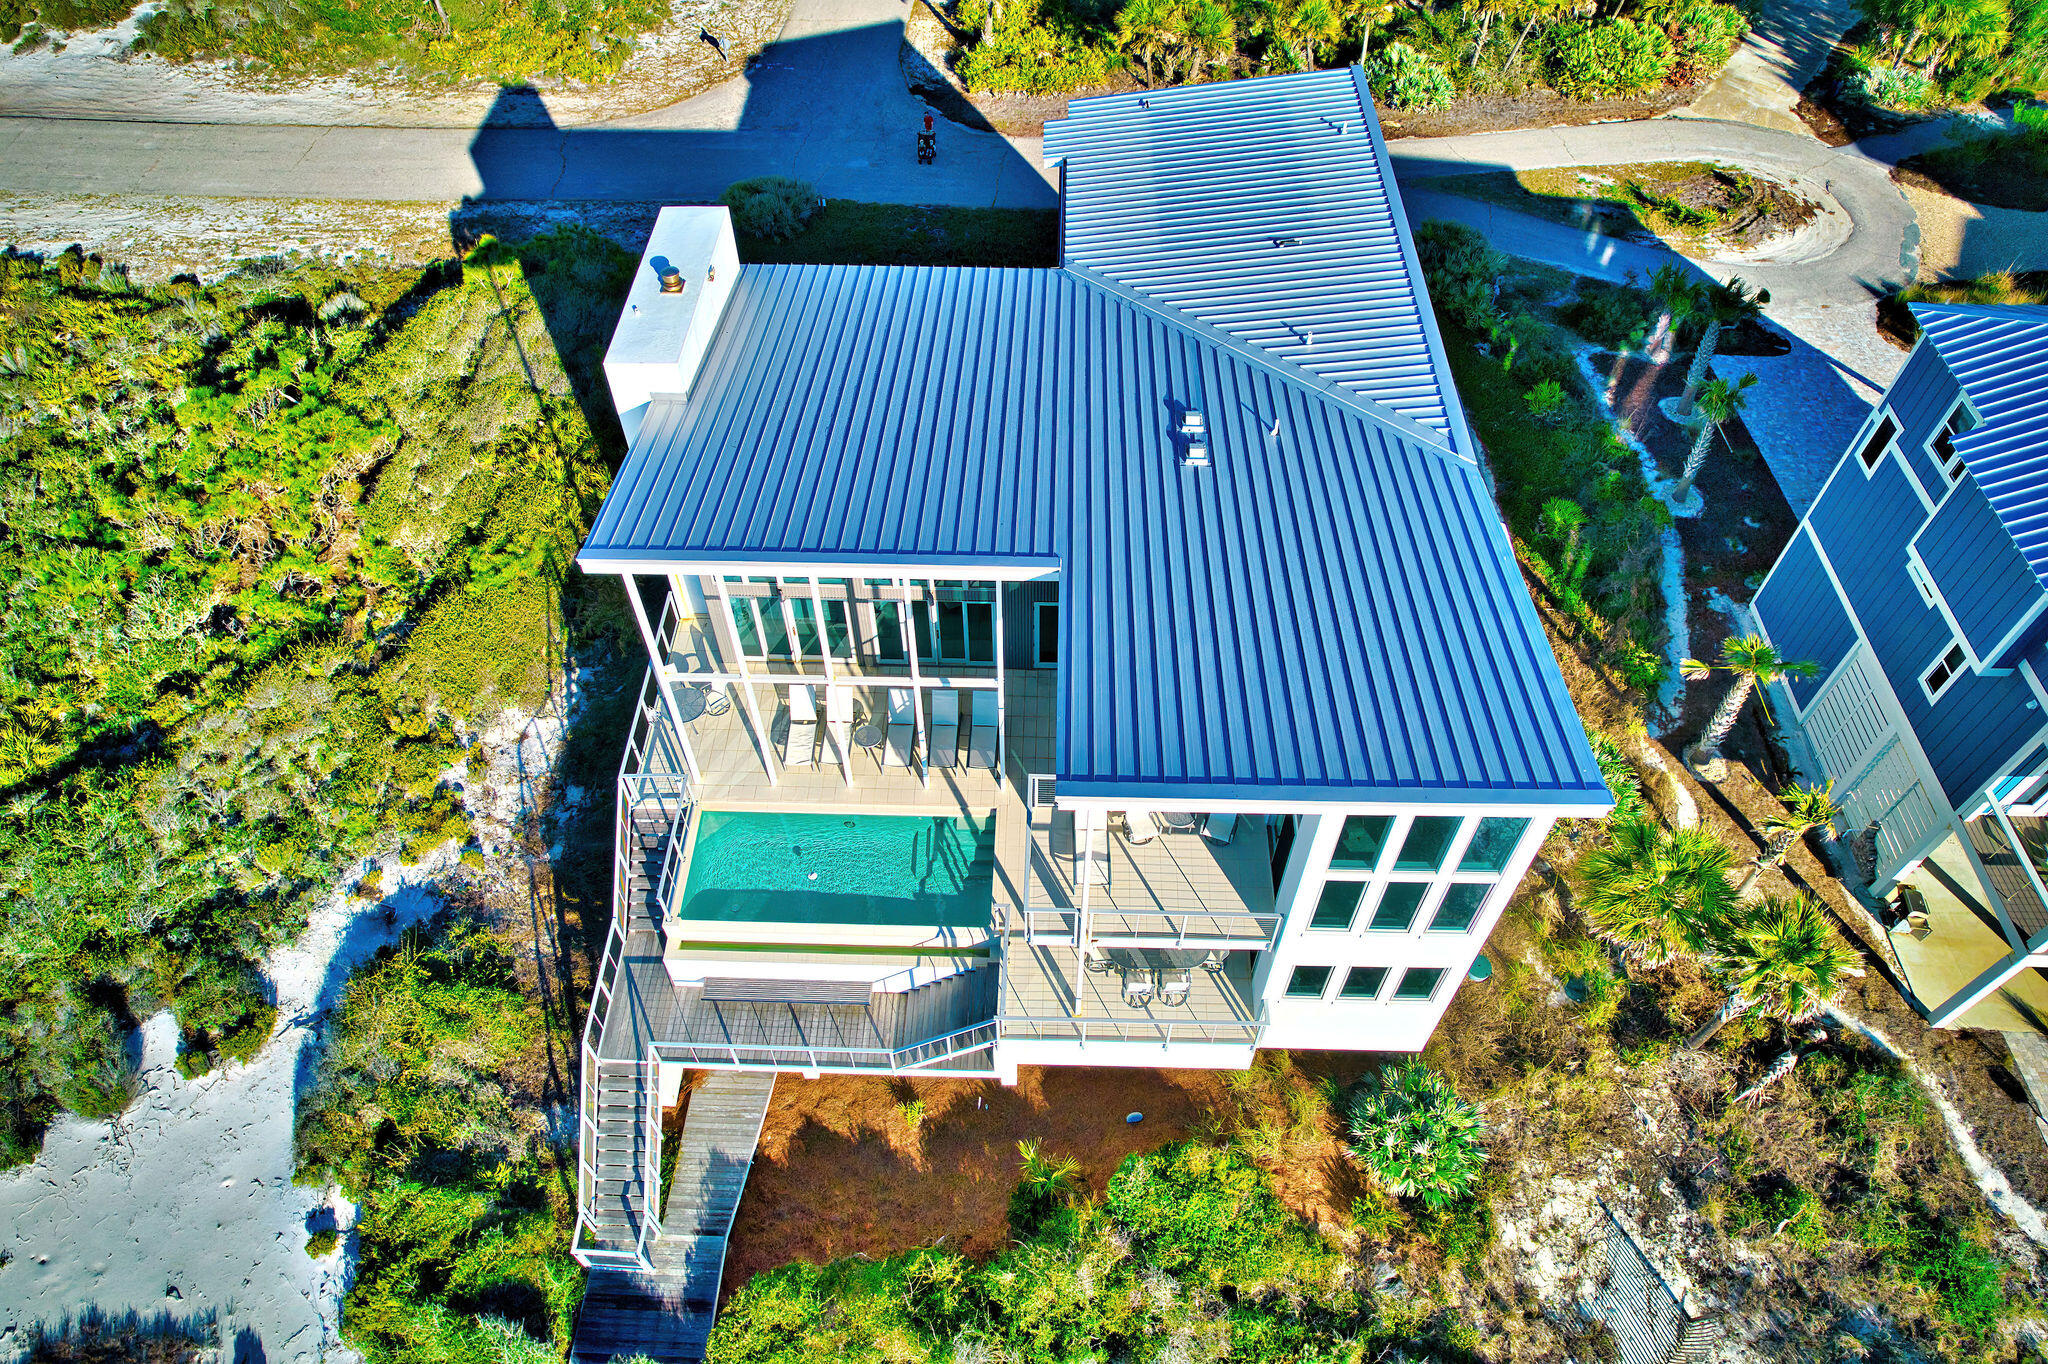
1177 821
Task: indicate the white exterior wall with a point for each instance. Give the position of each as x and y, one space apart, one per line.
661 338
1333 1023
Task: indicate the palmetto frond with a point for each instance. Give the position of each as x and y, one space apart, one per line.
1650 891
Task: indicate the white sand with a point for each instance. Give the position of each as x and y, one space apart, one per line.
191 1188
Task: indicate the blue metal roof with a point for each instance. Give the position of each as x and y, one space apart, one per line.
1331 607
1268 208
1999 354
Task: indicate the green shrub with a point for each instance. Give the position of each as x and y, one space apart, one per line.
1884 86
770 207
1412 1133
1612 316
1608 58
1406 79
321 1244
243 1041
1705 34
1462 272
1036 47
194 1062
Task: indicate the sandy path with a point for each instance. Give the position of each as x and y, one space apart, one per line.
185 1202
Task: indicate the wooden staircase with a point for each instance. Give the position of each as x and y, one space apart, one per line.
666 1312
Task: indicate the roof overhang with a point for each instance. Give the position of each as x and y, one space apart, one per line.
1282 798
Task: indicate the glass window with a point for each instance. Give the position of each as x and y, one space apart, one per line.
1363 982
1308 982
1358 846
1418 982
889 631
1945 670
839 628
1460 906
1429 838
1493 844
1944 445
743 625
1338 904
803 613
1282 836
981 632
1880 441
1396 910
774 633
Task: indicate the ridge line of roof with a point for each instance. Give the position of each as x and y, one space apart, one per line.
1280 367
1439 358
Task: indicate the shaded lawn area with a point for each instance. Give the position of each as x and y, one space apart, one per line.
848 232
2007 170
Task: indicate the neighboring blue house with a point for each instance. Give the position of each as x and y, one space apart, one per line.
1918 582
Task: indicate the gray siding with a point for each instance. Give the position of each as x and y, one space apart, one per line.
1803 616
1978 569
1865 524
1920 398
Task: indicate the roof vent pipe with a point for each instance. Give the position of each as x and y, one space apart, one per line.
1194 434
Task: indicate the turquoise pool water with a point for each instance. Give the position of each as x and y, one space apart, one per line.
896 870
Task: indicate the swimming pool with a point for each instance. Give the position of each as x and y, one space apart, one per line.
885 870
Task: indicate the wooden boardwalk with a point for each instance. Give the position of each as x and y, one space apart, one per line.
666 1313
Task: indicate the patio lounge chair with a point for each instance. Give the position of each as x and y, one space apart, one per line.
800 747
981 736
839 720
1139 826
902 739
945 736
1220 828
1174 987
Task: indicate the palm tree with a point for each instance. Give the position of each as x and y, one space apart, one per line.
1806 808
1718 401
1301 26
1415 1136
1677 295
1723 305
1750 659
1778 955
1562 519
1649 890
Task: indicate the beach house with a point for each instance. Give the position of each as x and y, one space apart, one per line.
1116 664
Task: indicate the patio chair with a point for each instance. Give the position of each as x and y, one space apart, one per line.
1138 988
1174 987
800 746
981 735
902 740
1220 828
1139 826
945 735
839 719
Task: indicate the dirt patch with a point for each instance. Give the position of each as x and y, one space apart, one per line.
841 1170
1536 109
2002 170
1695 207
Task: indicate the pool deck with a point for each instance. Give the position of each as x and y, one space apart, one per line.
1176 888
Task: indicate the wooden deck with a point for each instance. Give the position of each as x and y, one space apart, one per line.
1039 1000
1175 885
666 1312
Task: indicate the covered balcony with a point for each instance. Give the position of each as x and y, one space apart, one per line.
1158 998
1967 923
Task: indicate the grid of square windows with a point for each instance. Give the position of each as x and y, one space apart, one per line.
1415 984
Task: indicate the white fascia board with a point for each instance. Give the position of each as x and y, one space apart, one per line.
1280 803
1020 570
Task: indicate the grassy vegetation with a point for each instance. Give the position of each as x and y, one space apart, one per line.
507 41
1692 202
1189 1252
1510 352
2004 170
292 537
1895 319
1418 56
462 1235
847 232
1916 54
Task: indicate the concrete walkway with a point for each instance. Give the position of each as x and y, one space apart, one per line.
1786 47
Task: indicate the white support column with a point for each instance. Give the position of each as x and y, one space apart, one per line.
1002 701
661 677
747 699
1084 823
924 753
831 679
